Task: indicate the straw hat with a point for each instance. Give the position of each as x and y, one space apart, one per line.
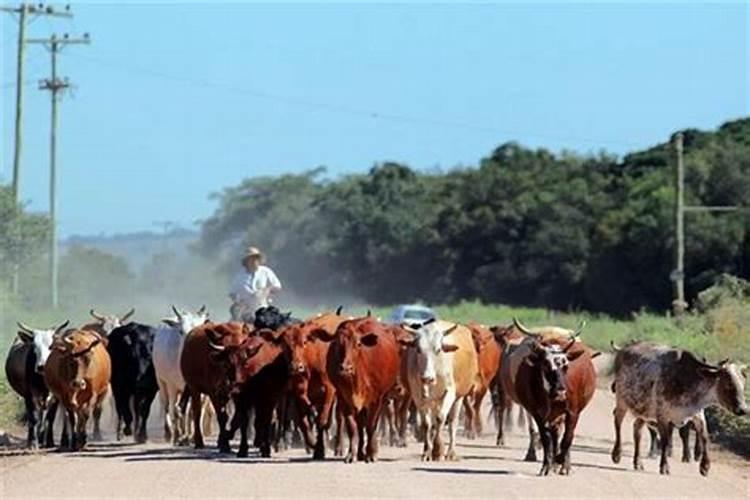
252 252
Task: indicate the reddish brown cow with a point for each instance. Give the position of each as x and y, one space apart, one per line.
205 374
77 373
258 374
554 379
488 356
363 364
310 384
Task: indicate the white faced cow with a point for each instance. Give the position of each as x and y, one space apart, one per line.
442 370
669 387
24 369
168 344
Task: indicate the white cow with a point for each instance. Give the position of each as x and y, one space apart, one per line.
168 344
442 370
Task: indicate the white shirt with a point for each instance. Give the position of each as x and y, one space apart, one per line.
251 288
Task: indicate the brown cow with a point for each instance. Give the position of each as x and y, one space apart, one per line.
363 364
488 356
310 384
105 323
553 378
77 373
204 374
258 373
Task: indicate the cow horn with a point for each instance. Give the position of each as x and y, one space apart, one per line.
723 362
202 310
570 344
68 340
577 332
62 327
595 354
25 328
96 315
427 322
177 313
338 310
369 313
127 315
523 329
614 346
450 330
217 347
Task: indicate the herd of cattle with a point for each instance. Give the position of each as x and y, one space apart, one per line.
308 374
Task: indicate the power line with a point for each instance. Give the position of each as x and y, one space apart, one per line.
342 109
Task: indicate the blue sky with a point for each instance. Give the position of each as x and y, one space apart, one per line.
176 101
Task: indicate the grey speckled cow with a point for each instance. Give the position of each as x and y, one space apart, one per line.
669 387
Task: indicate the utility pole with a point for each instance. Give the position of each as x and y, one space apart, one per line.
23 11
679 305
55 85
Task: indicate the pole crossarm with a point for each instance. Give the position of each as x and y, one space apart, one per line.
37 10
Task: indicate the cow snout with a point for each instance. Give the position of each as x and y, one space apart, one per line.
742 411
347 369
78 385
40 369
298 368
560 395
428 380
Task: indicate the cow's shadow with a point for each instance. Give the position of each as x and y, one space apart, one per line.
463 470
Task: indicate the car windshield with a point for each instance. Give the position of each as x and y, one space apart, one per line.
417 314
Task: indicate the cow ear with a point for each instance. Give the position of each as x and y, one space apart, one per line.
321 334
531 359
270 335
25 337
171 322
572 356
369 340
449 348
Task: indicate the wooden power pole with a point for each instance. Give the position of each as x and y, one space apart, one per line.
55 85
679 305
23 11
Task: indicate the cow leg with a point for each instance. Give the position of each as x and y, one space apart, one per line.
654 447
665 433
352 433
97 420
546 438
31 420
701 437
619 413
122 406
372 417
361 417
637 431
222 417
49 421
143 410
684 433
563 459
476 408
195 405
531 451
303 421
65 437
402 419
263 420
240 415
323 422
554 434
164 400
452 421
502 411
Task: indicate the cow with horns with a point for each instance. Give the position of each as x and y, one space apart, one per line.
442 370
77 373
106 323
669 387
24 369
550 373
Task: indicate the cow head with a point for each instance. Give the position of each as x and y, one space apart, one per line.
108 322
429 345
271 317
249 356
186 321
552 362
296 339
41 340
352 337
77 349
730 379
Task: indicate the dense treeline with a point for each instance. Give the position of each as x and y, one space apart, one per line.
522 227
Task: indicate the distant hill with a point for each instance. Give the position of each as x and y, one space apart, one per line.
138 248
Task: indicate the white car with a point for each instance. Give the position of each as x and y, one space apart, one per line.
411 314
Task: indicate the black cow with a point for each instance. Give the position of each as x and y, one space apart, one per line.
24 369
133 377
271 317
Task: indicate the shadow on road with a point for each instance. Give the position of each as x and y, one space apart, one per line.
461 470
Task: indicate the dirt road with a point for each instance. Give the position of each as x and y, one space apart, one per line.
157 470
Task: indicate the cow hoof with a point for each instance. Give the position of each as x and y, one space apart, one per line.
348 459
664 469
704 468
685 459
242 453
451 456
544 471
141 438
638 465
98 437
530 456
127 431
500 443
616 455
